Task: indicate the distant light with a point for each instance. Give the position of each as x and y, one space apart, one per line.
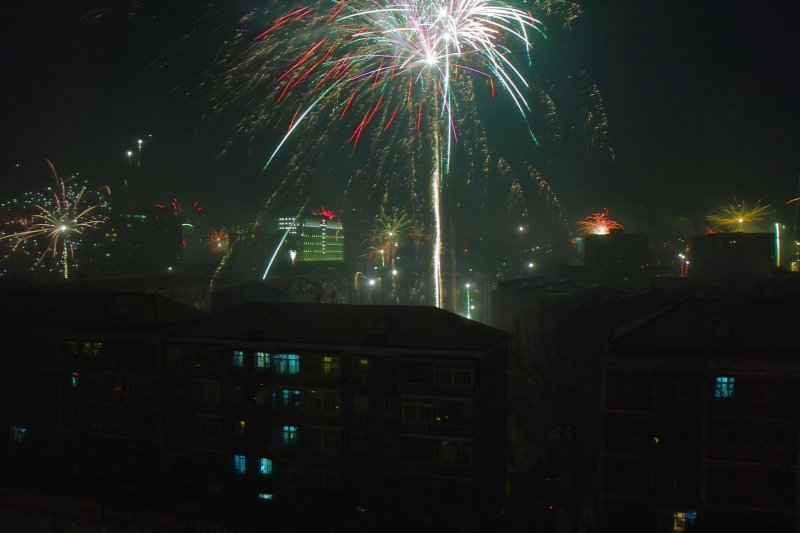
394 272
372 282
140 142
129 153
467 285
522 228
169 269
531 265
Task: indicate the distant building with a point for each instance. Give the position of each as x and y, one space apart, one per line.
617 257
359 417
700 419
144 242
733 255
312 239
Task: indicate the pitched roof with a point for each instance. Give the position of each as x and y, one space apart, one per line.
89 309
745 327
353 325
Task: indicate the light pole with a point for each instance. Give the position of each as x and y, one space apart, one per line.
469 309
139 155
125 181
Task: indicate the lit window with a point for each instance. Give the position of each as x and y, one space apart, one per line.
723 387
74 380
18 433
330 365
239 464
287 399
92 349
361 368
683 521
265 495
288 435
286 363
239 428
238 359
262 360
264 466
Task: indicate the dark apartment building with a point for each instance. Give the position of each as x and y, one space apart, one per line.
700 418
733 256
617 257
306 415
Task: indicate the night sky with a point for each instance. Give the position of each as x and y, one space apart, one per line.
701 99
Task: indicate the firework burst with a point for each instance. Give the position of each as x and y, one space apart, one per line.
59 223
386 237
385 102
737 216
598 224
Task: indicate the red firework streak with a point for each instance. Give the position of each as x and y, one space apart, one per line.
365 122
302 59
347 106
312 69
297 14
197 207
342 5
391 119
419 118
293 119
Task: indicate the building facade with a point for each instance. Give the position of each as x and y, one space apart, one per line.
348 416
699 408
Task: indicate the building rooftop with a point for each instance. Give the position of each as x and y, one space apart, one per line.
400 327
744 327
90 309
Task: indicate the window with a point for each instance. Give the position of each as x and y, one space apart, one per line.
360 442
92 349
287 399
207 428
287 435
361 368
264 466
417 410
389 446
18 433
262 360
452 373
239 464
330 365
206 392
390 406
322 479
75 380
286 363
361 403
322 440
289 475
453 452
778 391
237 360
723 387
683 521
265 495
322 402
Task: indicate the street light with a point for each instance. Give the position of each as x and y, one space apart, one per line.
469 315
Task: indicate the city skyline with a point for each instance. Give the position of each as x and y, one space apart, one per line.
699 111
